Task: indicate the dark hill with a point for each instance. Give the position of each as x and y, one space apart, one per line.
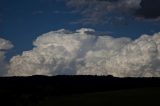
76 84
35 89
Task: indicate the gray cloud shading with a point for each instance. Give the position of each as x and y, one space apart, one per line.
63 52
4 46
94 11
115 11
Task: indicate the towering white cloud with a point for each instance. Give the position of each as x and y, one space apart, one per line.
54 53
139 58
83 53
4 46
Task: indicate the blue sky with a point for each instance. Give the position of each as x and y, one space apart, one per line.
22 21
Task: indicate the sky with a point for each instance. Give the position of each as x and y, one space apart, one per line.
23 21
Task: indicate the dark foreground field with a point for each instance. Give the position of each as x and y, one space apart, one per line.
79 91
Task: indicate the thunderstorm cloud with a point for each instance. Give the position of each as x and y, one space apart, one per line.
81 52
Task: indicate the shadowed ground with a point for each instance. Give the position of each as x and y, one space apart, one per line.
79 91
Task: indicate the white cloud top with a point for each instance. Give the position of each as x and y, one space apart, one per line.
64 52
4 46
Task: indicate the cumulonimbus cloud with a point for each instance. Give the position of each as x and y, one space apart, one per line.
4 46
63 52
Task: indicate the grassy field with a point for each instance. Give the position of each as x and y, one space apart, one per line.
132 97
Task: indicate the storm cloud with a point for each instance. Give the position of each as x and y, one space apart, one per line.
64 52
150 9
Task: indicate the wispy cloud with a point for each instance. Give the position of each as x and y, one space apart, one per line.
95 11
38 12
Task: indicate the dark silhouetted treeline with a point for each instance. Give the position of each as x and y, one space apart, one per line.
74 84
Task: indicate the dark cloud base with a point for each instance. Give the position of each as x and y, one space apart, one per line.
150 9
